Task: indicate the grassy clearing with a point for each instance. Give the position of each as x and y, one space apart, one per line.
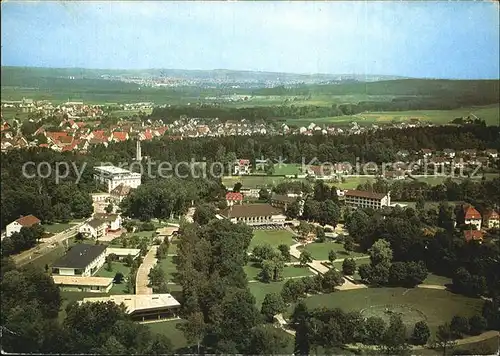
259 290
352 182
168 265
170 329
437 280
117 267
364 261
320 250
56 228
438 306
271 237
287 169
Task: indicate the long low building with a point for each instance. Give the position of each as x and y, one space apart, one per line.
83 284
81 260
365 199
142 307
255 215
123 252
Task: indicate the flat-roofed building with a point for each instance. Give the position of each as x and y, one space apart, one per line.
123 252
364 199
142 307
167 231
255 215
83 284
81 260
113 176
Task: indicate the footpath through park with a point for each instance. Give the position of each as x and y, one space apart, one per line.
142 278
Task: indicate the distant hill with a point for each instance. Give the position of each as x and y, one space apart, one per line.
15 75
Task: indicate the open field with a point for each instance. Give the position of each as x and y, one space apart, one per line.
352 182
436 306
287 169
320 250
271 237
490 114
251 181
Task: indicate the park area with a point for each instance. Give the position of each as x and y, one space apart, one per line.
271 237
320 250
434 306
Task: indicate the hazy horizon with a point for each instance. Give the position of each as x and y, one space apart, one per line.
438 40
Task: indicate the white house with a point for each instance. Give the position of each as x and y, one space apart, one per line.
94 228
23 221
81 260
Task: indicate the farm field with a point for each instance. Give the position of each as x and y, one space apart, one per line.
435 306
320 250
490 114
271 237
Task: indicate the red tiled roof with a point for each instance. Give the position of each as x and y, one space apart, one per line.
234 196
28 220
162 130
147 135
120 136
364 194
56 135
244 161
472 213
492 215
98 133
43 145
250 210
473 235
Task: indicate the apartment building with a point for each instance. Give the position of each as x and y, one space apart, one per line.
364 199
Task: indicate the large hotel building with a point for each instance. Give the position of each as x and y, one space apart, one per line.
364 199
113 176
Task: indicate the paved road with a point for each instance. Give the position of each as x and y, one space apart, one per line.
142 278
45 246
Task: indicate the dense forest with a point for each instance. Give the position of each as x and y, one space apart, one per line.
59 202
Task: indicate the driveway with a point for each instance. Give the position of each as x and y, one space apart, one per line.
142 278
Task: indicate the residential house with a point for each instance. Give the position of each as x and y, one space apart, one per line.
81 260
472 217
23 221
473 235
119 136
94 228
426 152
113 221
493 153
234 198
241 166
120 192
491 219
447 152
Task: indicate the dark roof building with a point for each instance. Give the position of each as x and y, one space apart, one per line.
80 256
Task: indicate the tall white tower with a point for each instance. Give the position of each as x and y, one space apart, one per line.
138 153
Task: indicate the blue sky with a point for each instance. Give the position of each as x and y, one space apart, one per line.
417 39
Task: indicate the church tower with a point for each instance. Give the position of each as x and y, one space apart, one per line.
138 153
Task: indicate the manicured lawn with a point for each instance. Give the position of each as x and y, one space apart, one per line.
437 280
259 290
287 169
438 306
272 237
352 182
364 261
168 265
117 267
320 250
296 271
56 228
169 328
